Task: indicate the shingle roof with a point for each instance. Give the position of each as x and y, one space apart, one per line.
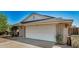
49 17
36 20
25 19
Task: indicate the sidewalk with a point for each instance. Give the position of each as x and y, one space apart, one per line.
61 46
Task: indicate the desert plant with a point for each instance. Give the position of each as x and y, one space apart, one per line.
59 38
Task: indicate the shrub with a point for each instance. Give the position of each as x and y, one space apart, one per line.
59 38
2 33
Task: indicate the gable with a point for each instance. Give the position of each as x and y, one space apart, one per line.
38 17
35 17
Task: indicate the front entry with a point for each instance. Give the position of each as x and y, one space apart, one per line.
22 31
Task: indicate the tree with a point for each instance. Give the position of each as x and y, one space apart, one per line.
3 23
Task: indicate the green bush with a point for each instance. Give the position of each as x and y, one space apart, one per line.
3 23
59 38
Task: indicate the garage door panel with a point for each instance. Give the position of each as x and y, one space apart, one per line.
46 32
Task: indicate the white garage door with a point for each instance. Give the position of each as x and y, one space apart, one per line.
43 32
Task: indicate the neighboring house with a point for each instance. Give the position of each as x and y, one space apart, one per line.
74 31
42 27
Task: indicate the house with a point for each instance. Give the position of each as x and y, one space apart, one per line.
43 27
74 31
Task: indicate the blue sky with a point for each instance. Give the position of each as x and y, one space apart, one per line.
17 16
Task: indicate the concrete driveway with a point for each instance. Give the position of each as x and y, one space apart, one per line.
6 43
38 43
